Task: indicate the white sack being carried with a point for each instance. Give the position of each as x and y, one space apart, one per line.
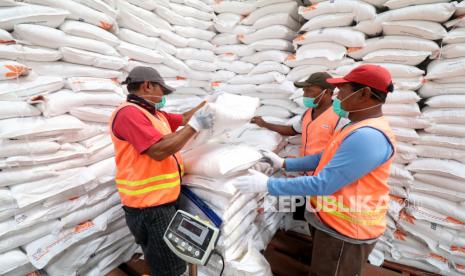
231 112
289 7
34 14
219 160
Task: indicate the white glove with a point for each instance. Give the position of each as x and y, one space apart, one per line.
202 119
264 167
255 182
273 159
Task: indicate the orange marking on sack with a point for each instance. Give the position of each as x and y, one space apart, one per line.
15 70
354 49
105 25
83 226
400 235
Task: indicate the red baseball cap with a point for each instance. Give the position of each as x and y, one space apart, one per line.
370 75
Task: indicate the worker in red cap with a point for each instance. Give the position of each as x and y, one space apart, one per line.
348 193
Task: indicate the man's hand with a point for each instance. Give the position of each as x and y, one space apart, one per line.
258 120
202 119
255 182
273 159
188 115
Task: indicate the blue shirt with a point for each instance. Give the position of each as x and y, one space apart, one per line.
361 152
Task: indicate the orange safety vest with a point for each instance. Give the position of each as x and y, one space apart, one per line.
357 210
317 133
142 181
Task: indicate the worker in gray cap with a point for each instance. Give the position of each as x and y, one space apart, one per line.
316 125
149 167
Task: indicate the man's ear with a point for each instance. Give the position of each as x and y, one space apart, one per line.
366 93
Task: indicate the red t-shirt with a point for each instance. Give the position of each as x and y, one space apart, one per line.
131 125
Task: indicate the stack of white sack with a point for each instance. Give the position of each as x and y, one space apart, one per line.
212 161
253 42
60 211
174 38
409 31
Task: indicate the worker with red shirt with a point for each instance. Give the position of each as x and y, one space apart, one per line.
149 167
318 123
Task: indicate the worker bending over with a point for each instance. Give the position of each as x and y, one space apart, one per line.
148 164
349 190
317 124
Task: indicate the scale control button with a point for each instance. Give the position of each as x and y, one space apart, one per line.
170 236
189 248
176 240
183 244
197 253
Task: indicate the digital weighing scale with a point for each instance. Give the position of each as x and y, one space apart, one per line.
193 235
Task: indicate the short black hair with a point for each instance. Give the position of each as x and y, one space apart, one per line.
376 94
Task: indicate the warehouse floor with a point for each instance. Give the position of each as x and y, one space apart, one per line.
289 248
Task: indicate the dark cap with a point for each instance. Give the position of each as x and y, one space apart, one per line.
318 79
142 73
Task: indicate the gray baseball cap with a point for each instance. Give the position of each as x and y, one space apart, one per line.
142 73
318 79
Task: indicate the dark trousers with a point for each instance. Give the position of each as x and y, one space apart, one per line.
335 257
148 226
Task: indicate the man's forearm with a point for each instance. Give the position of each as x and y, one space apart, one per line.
281 129
171 143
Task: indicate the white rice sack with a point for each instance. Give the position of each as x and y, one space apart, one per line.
239 50
133 22
302 72
272 44
401 109
193 32
441 153
176 19
149 4
453 51
456 35
96 114
13 262
285 88
77 56
397 4
219 160
441 141
142 40
402 97
272 55
238 67
342 36
258 78
28 86
276 19
17 109
12 70
407 135
191 53
144 15
200 44
394 43
328 21
202 5
446 68
6 37
361 10
33 14
18 147
237 7
140 53
226 22
406 57
408 122
457 130
272 32
20 52
257 138
440 181
288 7
66 70
92 84
269 66
187 11
446 101
201 65
417 28
81 12
440 12
292 61
444 115
222 75
234 88
53 38
430 89
86 30
330 51
225 39
173 38
102 6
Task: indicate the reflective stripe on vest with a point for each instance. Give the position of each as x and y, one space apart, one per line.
363 221
142 181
